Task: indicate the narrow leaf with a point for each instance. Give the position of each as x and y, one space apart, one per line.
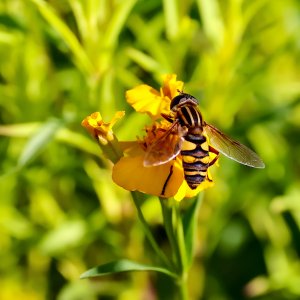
39 141
19 130
117 22
211 16
144 60
171 13
81 58
11 23
123 265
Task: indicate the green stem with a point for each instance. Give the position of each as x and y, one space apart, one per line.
148 232
174 228
180 239
183 289
167 212
182 283
111 150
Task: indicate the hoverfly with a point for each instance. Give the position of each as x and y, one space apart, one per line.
187 136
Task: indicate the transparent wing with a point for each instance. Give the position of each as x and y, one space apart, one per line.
165 148
231 148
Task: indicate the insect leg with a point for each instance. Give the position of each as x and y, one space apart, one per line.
167 180
213 150
168 117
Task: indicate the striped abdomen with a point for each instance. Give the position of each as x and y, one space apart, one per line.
195 151
195 159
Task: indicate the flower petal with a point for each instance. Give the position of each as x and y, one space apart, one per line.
163 180
146 99
92 121
98 128
171 86
186 192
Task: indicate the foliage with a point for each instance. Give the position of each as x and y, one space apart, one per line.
60 213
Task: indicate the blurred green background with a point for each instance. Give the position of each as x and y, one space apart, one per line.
60 212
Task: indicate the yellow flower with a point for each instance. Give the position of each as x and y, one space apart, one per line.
99 129
165 180
103 133
145 99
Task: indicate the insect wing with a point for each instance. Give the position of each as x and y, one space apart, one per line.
165 148
231 148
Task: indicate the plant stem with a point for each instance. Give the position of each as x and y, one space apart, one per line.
148 232
168 223
182 283
183 289
111 150
174 229
180 239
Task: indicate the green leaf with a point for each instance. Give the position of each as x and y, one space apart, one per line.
116 24
171 14
142 59
11 22
19 130
189 221
211 16
39 141
123 265
80 57
67 235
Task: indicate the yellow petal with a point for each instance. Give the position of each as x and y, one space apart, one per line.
171 87
118 115
163 180
98 128
146 99
186 192
92 121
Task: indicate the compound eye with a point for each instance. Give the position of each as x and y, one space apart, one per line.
194 100
177 100
183 99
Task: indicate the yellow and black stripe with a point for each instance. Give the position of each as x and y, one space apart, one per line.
195 148
195 151
195 159
189 116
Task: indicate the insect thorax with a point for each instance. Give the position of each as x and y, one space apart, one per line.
190 116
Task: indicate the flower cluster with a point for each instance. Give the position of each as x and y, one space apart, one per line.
164 180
